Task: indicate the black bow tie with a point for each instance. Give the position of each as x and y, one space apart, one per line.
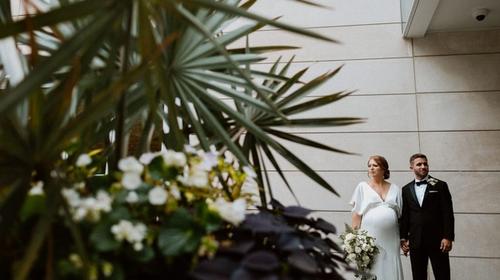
421 182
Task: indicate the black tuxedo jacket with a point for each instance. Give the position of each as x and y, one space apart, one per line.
428 224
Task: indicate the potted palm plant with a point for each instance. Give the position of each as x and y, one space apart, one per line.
90 91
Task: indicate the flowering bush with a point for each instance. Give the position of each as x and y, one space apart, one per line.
360 250
160 206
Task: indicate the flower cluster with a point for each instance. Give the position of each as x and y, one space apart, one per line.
161 204
359 248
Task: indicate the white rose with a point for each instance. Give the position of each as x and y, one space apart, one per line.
157 196
132 197
349 236
131 180
130 165
83 160
348 249
365 247
357 250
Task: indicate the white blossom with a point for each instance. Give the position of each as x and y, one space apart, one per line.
132 197
195 177
157 196
83 160
174 190
131 180
208 160
148 157
125 230
173 158
37 189
71 196
233 212
130 165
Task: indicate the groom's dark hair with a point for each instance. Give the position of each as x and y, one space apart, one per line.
415 156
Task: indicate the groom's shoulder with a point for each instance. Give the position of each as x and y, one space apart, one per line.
408 185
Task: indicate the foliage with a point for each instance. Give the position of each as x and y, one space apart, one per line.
92 70
283 243
170 209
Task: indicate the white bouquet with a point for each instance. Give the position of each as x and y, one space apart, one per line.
360 249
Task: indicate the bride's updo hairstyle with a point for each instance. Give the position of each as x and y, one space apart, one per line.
382 162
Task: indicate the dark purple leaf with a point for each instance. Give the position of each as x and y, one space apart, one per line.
303 262
261 261
325 226
296 212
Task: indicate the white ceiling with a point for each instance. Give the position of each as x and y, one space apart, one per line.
456 15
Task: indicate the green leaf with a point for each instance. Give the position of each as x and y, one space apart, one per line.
102 238
33 205
179 235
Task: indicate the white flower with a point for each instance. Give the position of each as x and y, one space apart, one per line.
357 250
37 189
72 197
189 149
348 249
125 230
209 160
157 196
138 246
148 157
174 158
233 212
83 160
349 236
174 190
195 177
130 165
103 201
132 197
131 180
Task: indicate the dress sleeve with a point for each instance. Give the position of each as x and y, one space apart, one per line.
357 200
399 201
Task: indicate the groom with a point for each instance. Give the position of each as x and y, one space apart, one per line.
427 222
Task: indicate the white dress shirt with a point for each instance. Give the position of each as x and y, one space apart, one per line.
420 190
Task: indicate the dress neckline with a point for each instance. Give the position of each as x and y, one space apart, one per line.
377 194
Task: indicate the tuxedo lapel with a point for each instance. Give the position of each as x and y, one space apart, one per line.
411 185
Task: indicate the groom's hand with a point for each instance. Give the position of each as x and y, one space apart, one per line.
445 245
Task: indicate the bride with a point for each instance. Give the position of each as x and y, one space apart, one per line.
376 208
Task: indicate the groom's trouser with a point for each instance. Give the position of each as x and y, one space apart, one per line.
440 262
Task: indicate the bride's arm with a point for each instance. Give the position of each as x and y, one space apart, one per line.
356 220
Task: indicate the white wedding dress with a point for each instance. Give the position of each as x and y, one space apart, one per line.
380 219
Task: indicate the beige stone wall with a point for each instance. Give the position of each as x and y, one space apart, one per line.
439 95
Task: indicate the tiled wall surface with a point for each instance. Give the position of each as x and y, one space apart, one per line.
439 95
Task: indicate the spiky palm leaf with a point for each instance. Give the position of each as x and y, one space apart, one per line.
98 66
